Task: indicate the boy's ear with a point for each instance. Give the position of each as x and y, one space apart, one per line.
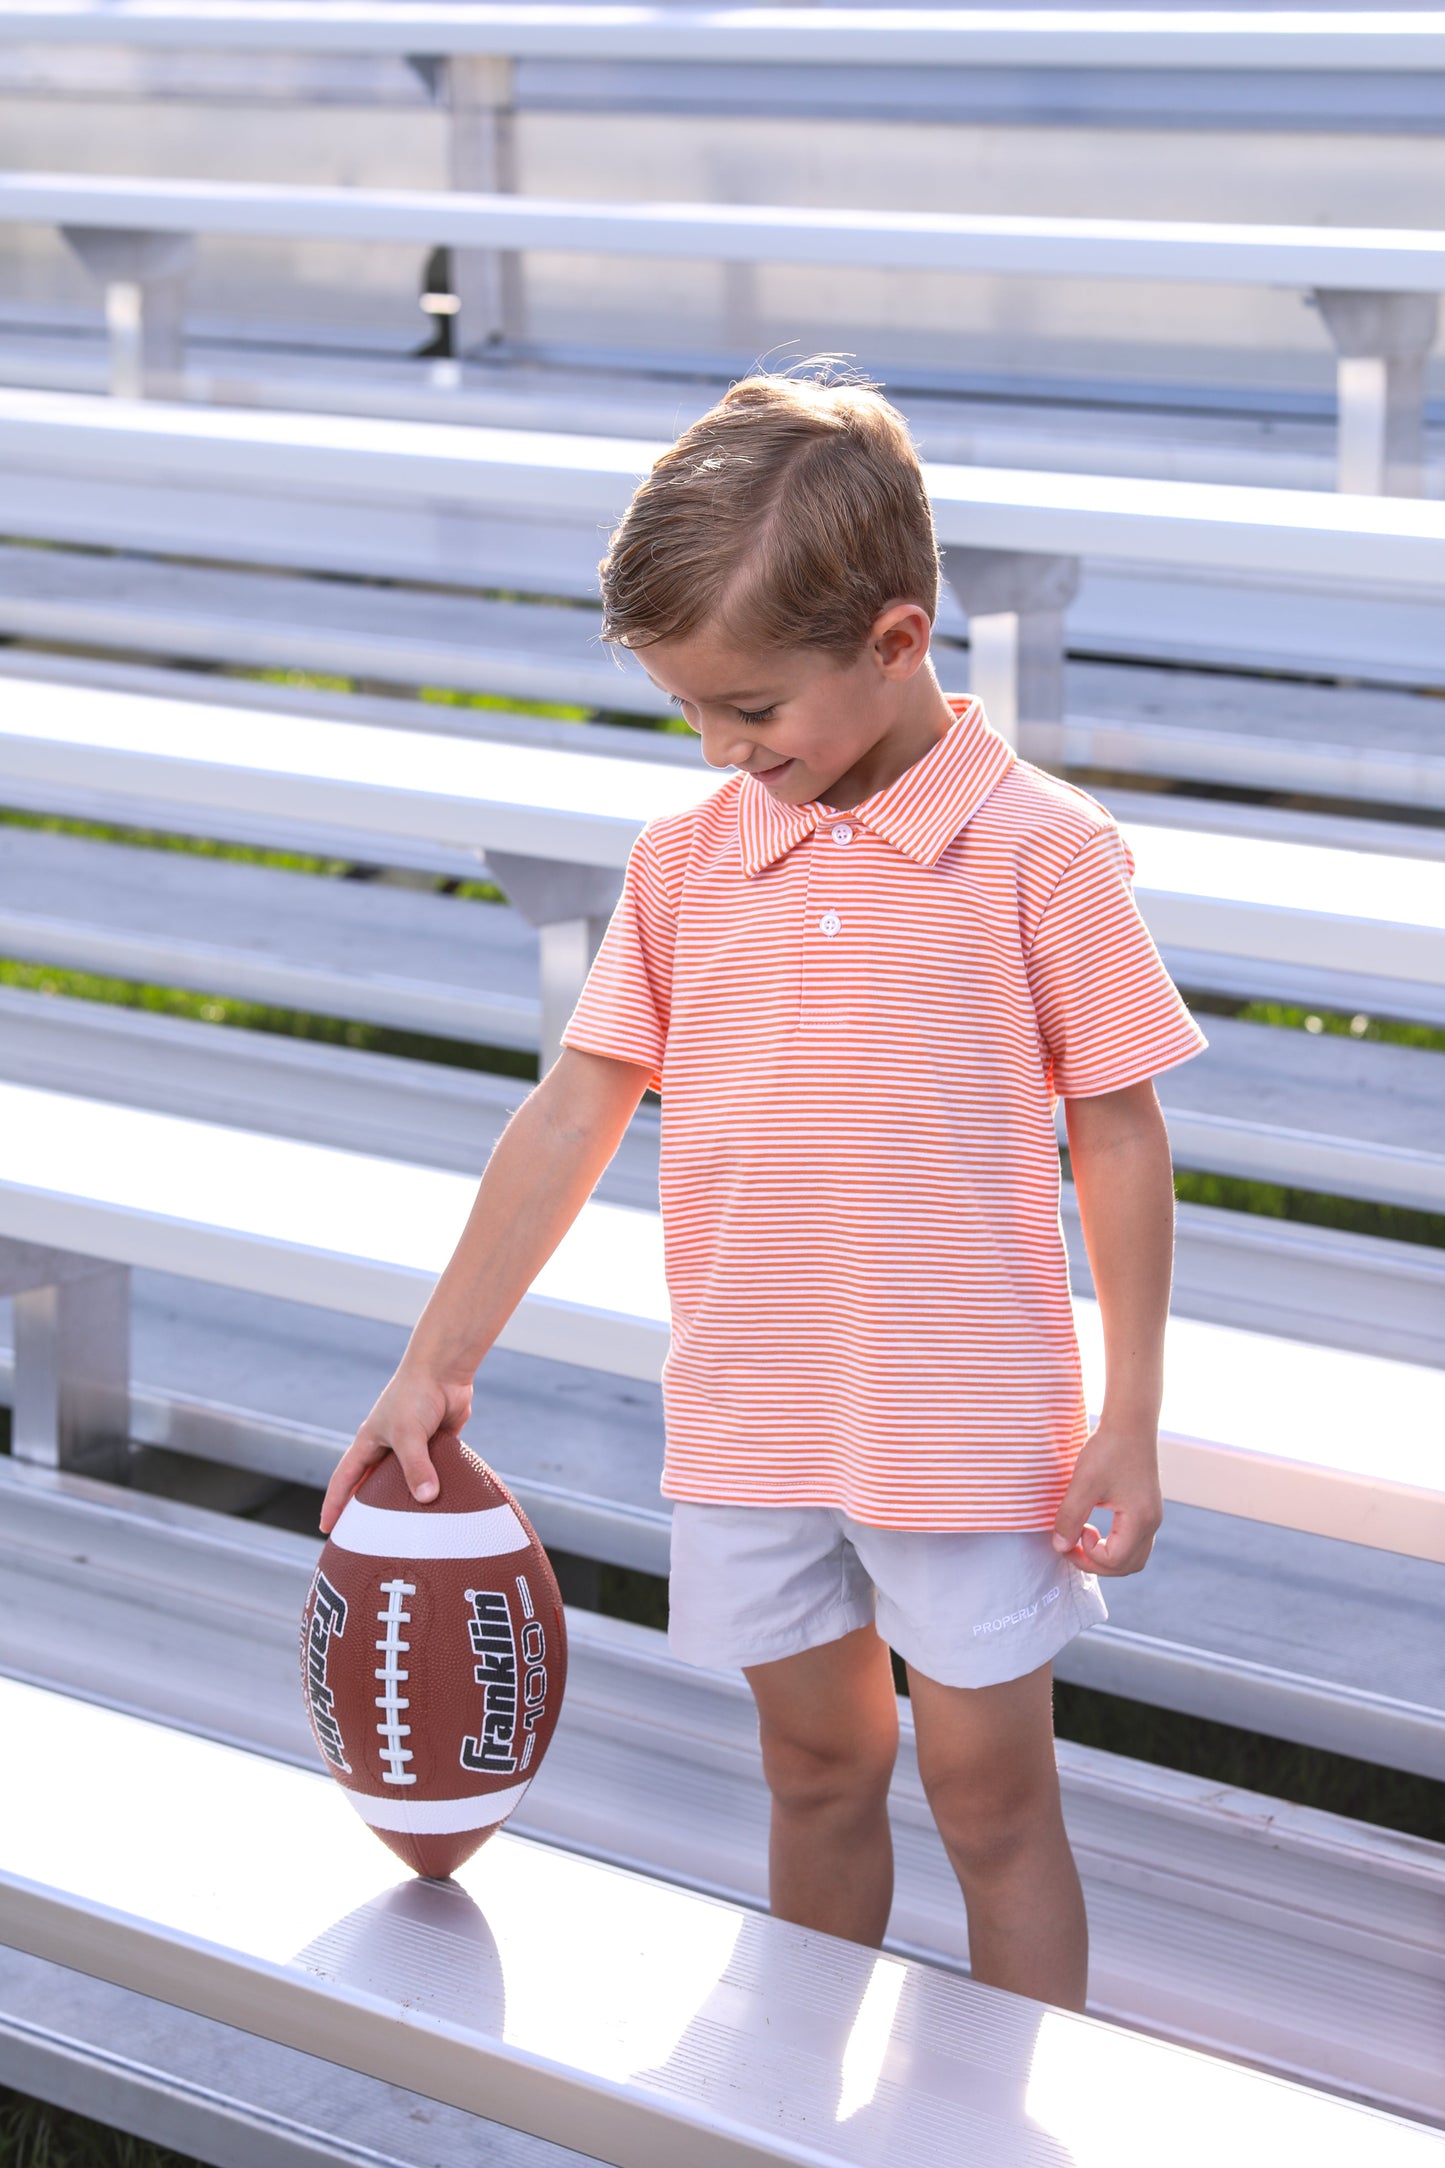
900 638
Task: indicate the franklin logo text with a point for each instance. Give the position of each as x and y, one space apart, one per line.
500 1674
328 1617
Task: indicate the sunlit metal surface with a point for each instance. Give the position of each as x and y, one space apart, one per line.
635 2021
1218 1918
1326 1440
1382 259
1233 528
1251 896
1268 38
446 789
361 1233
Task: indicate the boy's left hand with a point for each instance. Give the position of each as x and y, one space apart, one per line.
1119 1469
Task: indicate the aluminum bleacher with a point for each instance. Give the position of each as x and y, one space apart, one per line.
539 814
187 1616
1311 1286
483 508
1377 293
586 480
1024 65
1353 1673
213 1240
1253 1424
415 962
1085 37
1369 741
672 2025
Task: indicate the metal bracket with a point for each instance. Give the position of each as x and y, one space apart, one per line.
1016 602
72 1359
482 159
144 276
570 907
430 71
1383 342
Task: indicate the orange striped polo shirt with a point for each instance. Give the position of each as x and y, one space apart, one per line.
859 1023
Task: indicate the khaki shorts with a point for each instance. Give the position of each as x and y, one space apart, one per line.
751 1584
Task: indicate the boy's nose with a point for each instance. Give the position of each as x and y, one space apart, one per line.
722 749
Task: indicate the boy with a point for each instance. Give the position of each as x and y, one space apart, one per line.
860 973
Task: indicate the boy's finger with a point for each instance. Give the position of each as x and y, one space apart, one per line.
410 1449
1071 1518
354 1466
1125 1548
1086 1550
362 1455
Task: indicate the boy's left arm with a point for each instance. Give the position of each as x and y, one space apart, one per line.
1119 1151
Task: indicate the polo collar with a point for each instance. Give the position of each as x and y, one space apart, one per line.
919 814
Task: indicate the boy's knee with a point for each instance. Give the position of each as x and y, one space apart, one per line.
987 1817
813 1776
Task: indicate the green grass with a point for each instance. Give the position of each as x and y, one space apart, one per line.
258 1016
155 839
35 2135
240 854
440 696
1312 1208
549 710
1331 1023
443 696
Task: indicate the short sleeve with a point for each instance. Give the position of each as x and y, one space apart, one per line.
624 1006
1109 1014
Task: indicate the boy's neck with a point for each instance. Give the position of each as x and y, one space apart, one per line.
922 717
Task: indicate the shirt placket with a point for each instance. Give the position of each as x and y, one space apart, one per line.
827 915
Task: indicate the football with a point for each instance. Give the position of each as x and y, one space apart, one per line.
433 1657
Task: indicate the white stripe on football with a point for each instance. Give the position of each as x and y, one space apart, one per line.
437 1817
376 1533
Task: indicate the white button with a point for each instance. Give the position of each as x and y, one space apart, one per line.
842 833
830 923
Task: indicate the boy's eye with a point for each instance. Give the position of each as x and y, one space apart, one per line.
761 715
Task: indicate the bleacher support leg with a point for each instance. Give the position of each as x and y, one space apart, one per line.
72 1359
1016 602
1383 342
144 276
568 947
482 159
570 907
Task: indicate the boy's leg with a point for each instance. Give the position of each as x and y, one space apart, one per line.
986 1757
828 1720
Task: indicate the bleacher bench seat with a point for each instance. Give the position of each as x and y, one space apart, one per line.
1314 1438
1287 40
585 2004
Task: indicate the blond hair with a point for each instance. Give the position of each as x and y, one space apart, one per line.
791 514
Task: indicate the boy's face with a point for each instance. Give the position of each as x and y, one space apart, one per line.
806 724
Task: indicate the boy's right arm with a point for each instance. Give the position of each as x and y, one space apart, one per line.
545 1166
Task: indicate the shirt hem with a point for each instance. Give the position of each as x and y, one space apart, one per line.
965 1520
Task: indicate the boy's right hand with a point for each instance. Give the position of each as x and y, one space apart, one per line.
412 1408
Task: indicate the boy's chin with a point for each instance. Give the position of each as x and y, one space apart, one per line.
791 785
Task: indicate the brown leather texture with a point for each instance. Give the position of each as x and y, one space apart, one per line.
430 1679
